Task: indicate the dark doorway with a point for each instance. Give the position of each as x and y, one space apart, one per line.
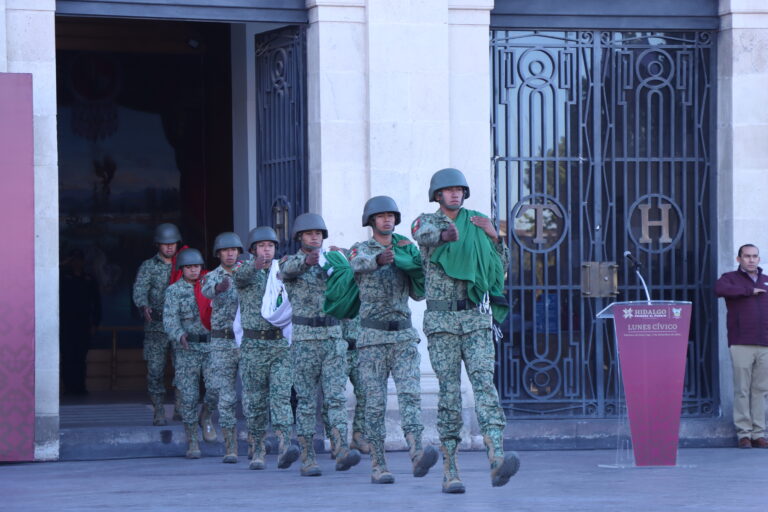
144 137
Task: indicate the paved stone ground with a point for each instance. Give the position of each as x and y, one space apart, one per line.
718 479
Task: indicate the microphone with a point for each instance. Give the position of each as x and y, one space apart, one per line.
632 259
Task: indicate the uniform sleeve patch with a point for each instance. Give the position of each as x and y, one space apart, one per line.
416 225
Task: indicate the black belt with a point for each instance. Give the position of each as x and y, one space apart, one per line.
227 334
384 325
198 338
317 321
268 334
449 305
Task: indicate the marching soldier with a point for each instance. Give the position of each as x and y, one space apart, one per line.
265 359
349 331
217 286
387 342
152 280
319 351
185 316
462 252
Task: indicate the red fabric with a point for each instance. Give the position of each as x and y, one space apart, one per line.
203 302
176 273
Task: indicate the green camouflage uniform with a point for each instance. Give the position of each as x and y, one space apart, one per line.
149 291
454 336
349 331
181 315
265 365
319 353
224 351
384 293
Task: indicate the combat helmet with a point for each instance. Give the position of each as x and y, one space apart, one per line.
167 233
308 221
445 178
380 204
189 257
225 240
262 234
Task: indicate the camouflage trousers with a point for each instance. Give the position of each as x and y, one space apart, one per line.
320 364
353 373
377 362
157 345
192 363
476 349
224 360
267 375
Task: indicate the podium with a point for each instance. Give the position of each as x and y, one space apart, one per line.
652 341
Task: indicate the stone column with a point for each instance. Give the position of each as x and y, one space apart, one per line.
742 136
28 45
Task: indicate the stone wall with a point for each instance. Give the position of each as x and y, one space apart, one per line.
742 147
28 45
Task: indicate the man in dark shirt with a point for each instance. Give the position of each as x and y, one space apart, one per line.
746 299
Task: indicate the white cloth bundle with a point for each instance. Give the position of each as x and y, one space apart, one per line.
237 328
279 316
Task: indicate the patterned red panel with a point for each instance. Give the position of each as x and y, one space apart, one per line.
17 284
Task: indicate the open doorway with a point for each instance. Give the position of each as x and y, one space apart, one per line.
144 137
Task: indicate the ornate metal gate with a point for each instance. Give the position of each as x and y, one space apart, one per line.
281 169
603 143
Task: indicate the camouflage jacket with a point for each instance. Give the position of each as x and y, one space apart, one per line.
306 291
384 292
180 314
426 230
223 305
149 289
250 284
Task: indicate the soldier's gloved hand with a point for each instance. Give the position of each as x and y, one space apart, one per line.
146 312
312 258
183 341
450 234
385 258
259 262
222 286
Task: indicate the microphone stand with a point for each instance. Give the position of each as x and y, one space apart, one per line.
645 286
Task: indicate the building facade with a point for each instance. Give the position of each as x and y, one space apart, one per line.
585 130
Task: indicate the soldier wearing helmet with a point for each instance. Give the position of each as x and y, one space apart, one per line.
387 342
456 327
318 347
152 280
217 286
186 320
265 359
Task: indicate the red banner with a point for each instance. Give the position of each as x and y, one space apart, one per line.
17 288
653 341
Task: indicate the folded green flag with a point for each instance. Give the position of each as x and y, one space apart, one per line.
473 258
408 259
341 292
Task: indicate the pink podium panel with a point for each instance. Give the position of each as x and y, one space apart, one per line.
653 341
17 285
